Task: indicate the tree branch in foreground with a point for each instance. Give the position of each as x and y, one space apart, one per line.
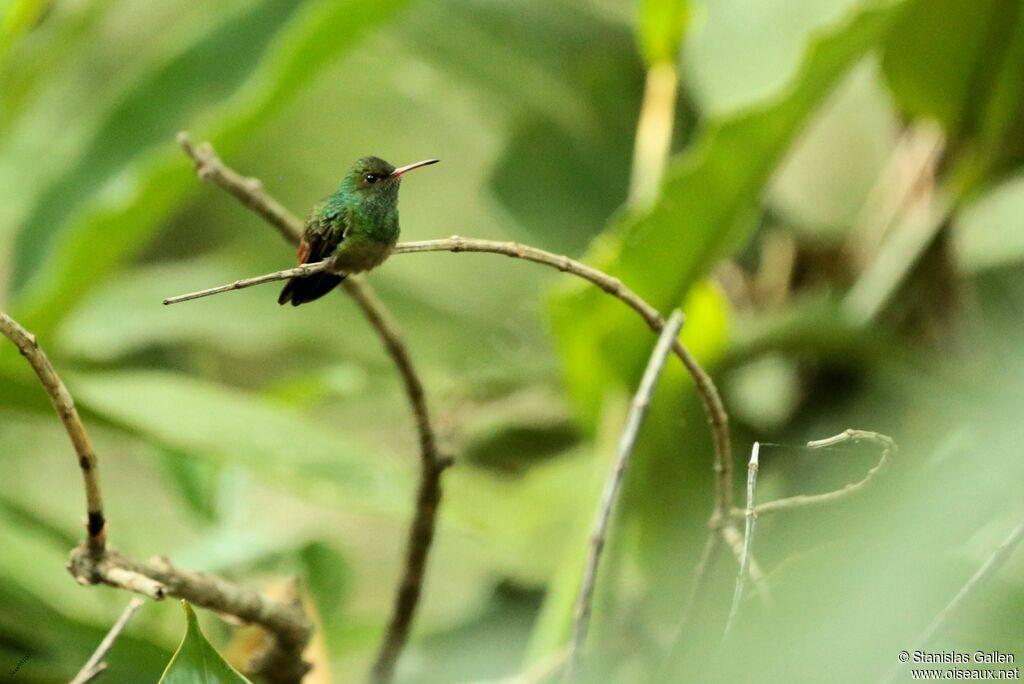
95 665
65 406
157 578
612 487
250 192
96 562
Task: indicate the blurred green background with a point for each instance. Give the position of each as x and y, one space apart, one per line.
841 218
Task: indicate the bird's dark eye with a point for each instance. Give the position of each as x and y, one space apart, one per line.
370 178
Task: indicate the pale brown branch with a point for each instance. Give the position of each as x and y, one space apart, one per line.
251 193
95 665
801 501
303 270
65 407
157 578
612 487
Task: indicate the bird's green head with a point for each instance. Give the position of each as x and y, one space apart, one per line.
373 180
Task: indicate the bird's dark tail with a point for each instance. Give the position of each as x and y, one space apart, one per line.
308 288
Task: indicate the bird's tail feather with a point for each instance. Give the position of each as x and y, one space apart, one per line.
308 288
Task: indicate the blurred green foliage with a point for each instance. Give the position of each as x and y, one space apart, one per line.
241 438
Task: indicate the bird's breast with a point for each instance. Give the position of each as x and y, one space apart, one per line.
357 254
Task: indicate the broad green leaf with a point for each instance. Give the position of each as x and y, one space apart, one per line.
116 202
961 63
196 661
661 29
227 425
707 209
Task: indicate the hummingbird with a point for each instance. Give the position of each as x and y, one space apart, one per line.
357 225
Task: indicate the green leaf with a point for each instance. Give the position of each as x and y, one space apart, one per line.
116 198
961 63
226 425
662 24
196 661
707 209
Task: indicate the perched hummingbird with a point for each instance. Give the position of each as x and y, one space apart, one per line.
358 225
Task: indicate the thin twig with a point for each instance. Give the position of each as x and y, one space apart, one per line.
95 665
251 193
65 407
303 270
613 485
748 538
428 496
888 450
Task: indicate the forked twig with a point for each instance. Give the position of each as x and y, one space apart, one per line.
889 449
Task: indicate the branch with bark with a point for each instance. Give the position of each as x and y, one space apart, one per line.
96 524
96 562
